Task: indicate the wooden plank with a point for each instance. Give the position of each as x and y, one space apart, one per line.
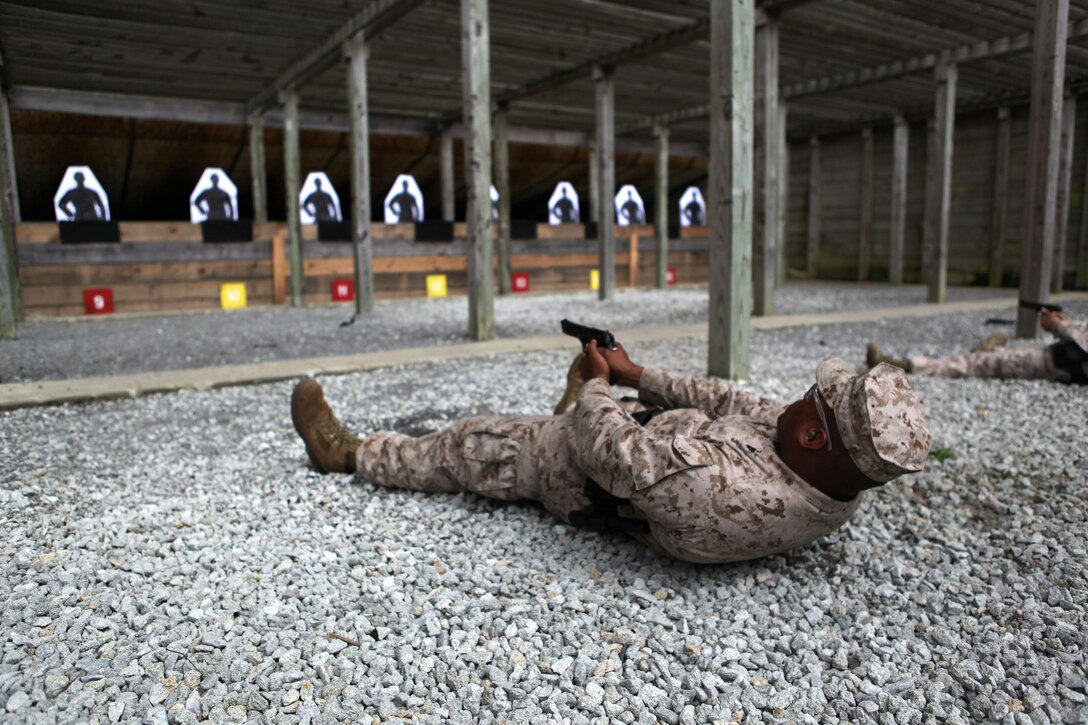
729 193
812 245
136 231
90 275
632 261
292 184
1000 213
427 265
279 270
1044 134
140 253
1065 179
358 52
900 158
605 100
765 218
159 232
258 171
164 292
476 67
945 122
560 231
865 228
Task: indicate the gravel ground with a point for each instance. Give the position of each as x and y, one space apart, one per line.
173 558
50 349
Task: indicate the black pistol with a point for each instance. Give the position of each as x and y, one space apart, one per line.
584 334
1040 306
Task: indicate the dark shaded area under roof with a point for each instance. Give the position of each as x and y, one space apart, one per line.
200 62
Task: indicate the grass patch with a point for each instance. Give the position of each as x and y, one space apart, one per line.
999 475
941 454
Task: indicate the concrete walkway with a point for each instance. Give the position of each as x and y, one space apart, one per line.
51 392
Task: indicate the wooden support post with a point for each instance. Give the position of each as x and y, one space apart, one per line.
476 64
7 264
812 246
594 181
279 270
632 260
661 204
929 201
944 124
1001 197
356 53
729 197
897 242
292 173
1044 134
258 170
606 179
12 291
1065 179
446 169
783 193
766 168
502 185
8 157
865 226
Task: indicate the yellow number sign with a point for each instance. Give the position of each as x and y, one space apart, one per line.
232 295
436 285
594 279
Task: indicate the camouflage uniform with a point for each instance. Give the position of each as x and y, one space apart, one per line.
1026 363
704 476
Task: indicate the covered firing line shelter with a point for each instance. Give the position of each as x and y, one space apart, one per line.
736 80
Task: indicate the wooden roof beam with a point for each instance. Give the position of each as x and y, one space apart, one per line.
669 40
375 17
982 50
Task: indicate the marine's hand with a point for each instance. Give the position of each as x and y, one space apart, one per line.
624 372
593 363
1049 319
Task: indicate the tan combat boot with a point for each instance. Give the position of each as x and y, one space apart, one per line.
874 356
330 446
992 343
574 386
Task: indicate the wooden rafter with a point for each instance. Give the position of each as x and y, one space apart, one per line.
375 17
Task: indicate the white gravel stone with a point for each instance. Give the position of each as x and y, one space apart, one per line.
173 558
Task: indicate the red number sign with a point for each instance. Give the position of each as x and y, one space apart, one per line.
98 301
343 290
520 281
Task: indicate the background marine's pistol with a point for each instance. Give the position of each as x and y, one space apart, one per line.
584 334
1040 306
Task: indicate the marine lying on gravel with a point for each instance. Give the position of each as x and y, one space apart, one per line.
1065 361
694 468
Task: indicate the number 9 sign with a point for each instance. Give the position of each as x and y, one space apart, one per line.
98 301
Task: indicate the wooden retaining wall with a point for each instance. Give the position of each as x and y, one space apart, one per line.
974 174
162 267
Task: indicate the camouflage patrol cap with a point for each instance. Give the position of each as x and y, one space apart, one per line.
880 418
